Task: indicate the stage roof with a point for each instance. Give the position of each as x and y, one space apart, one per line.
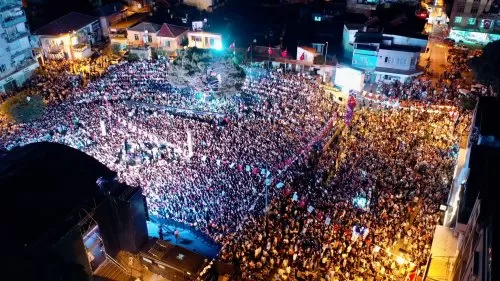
43 184
174 257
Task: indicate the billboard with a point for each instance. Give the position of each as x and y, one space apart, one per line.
348 78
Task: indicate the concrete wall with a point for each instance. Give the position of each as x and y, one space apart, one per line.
397 59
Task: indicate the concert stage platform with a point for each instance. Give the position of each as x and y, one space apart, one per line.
188 238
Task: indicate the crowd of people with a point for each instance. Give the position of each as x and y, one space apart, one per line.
345 202
448 88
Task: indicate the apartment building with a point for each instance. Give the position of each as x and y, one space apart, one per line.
69 37
475 21
16 53
477 218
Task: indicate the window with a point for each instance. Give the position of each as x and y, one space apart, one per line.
386 59
458 19
212 41
472 21
167 43
136 37
150 39
3 68
474 10
461 8
413 61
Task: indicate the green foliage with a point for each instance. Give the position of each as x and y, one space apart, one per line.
23 108
467 102
116 48
184 42
159 53
132 57
486 68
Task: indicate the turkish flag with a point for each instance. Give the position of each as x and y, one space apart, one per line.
303 56
231 46
270 51
284 53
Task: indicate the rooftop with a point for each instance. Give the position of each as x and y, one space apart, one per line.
110 9
487 117
171 31
143 26
65 24
402 48
44 183
484 165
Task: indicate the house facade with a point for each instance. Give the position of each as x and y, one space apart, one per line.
166 37
205 40
69 37
16 57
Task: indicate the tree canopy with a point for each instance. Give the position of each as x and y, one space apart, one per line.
486 68
23 108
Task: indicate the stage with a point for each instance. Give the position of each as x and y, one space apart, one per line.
188 238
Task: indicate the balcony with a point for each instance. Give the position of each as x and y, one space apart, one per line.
6 5
12 21
18 67
26 52
15 36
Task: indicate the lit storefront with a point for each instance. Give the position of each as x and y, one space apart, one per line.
475 31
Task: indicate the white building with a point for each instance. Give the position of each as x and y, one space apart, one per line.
16 56
205 40
384 56
69 37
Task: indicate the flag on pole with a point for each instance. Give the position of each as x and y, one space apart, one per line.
284 53
249 48
270 51
303 56
231 46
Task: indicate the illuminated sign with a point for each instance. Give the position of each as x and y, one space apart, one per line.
317 18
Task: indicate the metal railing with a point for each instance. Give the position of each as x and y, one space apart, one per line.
115 262
11 21
13 37
7 5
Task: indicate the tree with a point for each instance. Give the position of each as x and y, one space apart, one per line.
184 42
116 48
132 57
486 68
23 107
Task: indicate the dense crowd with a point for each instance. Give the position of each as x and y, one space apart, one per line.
446 89
345 201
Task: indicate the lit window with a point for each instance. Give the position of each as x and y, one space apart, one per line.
472 21
316 18
458 19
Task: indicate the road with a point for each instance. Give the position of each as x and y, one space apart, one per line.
438 54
